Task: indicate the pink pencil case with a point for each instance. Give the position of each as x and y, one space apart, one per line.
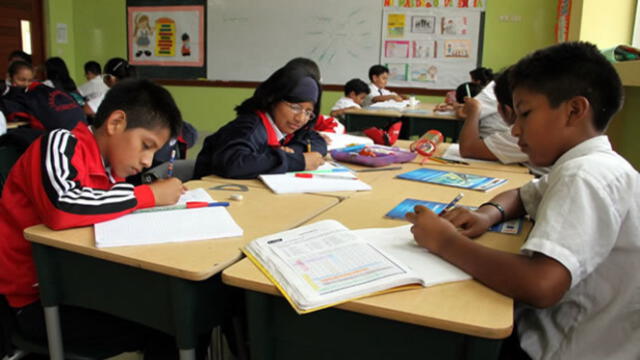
384 155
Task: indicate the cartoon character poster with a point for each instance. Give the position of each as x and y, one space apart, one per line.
166 35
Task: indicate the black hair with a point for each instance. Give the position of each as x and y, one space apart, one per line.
16 66
275 89
147 105
481 75
57 72
185 37
21 55
311 69
563 71
377 70
92 67
356 85
120 69
502 90
461 91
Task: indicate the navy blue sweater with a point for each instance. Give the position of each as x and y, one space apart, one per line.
240 150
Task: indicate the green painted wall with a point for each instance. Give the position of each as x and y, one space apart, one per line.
624 129
60 12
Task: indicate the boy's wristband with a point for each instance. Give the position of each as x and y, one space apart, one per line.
497 206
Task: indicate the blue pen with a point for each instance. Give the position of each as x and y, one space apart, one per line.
171 161
353 148
452 204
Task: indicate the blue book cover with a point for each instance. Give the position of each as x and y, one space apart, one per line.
456 179
508 227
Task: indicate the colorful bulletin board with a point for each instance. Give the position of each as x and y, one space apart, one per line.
431 43
167 41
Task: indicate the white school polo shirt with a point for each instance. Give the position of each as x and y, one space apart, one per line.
375 91
490 119
587 217
505 147
344 103
93 88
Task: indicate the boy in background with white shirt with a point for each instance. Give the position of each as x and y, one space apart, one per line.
95 86
379 76
576 277
355 91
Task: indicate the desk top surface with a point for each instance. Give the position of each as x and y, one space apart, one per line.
466 307
260 213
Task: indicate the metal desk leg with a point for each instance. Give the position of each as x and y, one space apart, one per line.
187 354
54 333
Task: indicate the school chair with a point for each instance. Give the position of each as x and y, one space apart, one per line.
182 169
14 345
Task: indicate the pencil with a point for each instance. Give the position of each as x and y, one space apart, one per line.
308 145
452 204
171 161
466 86
452 161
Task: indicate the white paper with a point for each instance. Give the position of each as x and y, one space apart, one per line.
453 153
289 184
169 225
344 140
390 104
399 243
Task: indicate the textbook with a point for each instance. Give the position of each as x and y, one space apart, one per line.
166 225
327 178
456 179
324 264
407 205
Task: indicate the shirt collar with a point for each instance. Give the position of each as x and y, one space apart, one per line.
599 143
279 134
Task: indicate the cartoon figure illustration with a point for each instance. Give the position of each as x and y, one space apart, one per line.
186 47
142 35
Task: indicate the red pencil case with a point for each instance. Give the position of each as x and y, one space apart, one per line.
372 155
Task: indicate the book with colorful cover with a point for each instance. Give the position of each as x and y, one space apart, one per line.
456 179
407 205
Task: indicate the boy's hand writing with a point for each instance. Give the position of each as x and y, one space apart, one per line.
312 160
472 223
471 108
167 191
430 230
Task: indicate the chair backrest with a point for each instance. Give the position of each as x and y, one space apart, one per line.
182 169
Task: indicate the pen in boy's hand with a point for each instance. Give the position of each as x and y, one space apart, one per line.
466 86
171 161
308 145
452 204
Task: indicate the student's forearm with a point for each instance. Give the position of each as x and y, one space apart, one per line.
471 145
510 202
380 98
539 281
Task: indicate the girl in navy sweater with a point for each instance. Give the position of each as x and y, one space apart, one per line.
272 133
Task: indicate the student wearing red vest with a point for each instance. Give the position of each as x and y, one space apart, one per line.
272 133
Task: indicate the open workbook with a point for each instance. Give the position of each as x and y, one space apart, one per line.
323 264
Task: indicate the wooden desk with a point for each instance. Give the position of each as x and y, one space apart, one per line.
170 287
483 165
16 124
456 320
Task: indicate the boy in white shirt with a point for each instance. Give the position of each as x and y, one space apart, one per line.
379 76
576 278
355 91
500 145
95 86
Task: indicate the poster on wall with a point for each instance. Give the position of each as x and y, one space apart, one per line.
167 41
431 43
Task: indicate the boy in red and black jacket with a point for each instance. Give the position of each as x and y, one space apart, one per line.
70 178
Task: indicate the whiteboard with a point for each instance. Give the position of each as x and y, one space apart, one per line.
247 40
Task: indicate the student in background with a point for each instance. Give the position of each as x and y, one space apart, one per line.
379 77
490 120
95 86
57 76
576 278
481 76
355 91
501 145
20 74
463 90
71 178
323 123
17 55
272 133
116 69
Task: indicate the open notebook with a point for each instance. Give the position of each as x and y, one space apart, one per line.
323 264
329 178
169 225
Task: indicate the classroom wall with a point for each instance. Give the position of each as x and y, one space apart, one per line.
99 32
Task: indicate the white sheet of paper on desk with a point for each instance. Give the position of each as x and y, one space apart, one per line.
390 104
399 243
289 184
344 140
169 226
453 153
